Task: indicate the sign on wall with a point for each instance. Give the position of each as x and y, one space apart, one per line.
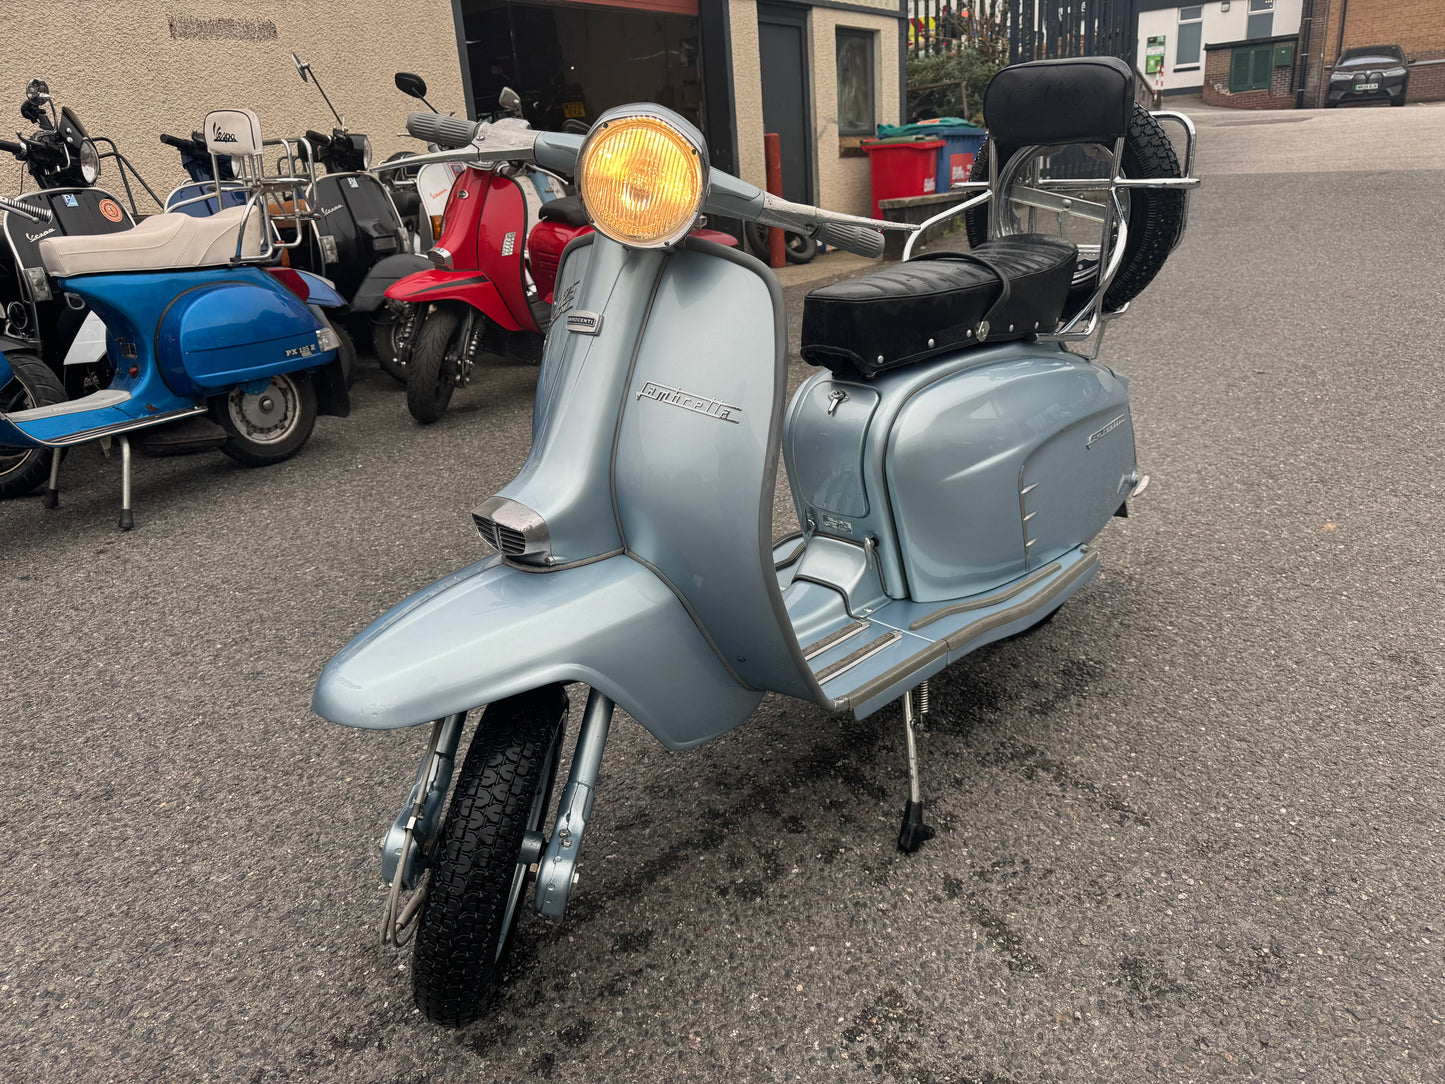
1154 55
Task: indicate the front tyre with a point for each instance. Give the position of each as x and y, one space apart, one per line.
478 878
437 361
34 385
270 426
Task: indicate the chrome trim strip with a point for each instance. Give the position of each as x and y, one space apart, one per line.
833 639
120 427
988 600
863 654
908 668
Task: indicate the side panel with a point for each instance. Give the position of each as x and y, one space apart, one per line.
696 456
956 456
490 631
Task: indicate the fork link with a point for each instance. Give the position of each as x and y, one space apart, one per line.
914 832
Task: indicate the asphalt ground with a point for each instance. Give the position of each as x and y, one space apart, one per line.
1189 830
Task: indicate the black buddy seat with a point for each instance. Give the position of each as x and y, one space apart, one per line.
1006 288
1010 288
567 210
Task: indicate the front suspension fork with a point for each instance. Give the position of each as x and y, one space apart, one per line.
557 872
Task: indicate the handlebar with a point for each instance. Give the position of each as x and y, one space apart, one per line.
488 145
12 148
443 131
856 239
178 142
29 210
317 139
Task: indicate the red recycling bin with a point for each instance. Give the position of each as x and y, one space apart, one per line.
902 168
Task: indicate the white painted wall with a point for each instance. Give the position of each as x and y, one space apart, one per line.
1219 26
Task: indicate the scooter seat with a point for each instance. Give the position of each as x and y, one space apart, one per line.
1009 288
568 210
160 242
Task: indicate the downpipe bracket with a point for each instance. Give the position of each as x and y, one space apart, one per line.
557 872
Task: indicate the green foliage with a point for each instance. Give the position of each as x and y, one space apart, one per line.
969 65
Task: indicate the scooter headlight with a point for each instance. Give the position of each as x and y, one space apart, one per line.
89 162
366 158
642 175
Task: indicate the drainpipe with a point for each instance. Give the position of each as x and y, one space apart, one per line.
1307 17
1344 14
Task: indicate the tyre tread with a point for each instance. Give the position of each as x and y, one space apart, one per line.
454 975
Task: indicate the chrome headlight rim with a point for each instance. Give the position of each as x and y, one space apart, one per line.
679 126
88 158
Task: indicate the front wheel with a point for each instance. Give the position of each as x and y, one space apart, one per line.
479 877
34 385
270 426
438 361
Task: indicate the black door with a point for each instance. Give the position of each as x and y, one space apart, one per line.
782 39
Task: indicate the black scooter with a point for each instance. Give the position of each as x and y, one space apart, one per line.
359 240
55 347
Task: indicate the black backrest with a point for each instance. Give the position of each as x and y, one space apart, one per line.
1073 100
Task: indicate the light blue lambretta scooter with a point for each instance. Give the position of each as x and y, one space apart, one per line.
950 465
209 348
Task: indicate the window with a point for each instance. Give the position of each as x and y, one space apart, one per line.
1191 31
1261 19
1251 68
855 82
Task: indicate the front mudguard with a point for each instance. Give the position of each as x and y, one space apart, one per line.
492 630
372 291
469 287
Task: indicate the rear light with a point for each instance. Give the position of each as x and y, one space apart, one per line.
292 280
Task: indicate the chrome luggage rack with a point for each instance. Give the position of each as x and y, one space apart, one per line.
291 184
1063 196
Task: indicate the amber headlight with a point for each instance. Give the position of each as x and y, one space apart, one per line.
642 174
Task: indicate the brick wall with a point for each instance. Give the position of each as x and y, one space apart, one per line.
1417 26
1216 85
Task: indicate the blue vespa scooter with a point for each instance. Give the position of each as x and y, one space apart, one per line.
951 463
210 349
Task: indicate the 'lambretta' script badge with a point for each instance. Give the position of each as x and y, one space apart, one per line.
698 404
1104 432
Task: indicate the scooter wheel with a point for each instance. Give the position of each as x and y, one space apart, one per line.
432 372
385 325
269 427
796 247
478 879
34 385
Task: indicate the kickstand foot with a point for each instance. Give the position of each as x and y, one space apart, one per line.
914 832
52 488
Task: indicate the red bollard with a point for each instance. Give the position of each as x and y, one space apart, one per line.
773 159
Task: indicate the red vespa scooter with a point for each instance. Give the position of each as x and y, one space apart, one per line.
478 296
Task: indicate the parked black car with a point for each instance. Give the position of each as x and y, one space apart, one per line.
1369 73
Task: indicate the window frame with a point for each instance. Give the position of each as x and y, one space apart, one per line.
1197 25
869 38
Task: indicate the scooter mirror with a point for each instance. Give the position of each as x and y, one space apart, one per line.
37 91
411 84
302 68
510 100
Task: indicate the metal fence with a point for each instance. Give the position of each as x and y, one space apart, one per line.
1037 29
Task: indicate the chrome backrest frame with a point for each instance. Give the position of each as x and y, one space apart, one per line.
1089 321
